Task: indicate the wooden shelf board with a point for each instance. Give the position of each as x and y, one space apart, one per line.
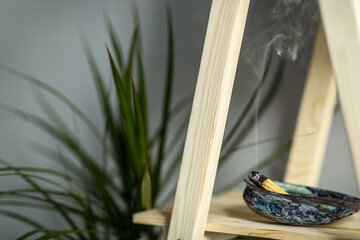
229 214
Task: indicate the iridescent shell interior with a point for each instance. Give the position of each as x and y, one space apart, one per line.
303 206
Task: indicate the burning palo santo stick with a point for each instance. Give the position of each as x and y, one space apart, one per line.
262 181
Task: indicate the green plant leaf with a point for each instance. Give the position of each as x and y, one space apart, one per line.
139 119
56 94
51 113
166 101
146 189
89 216
133 47
115 43
112 210
170 173
29 234
176 110
62 233
54 155
102 94
127 117
70 143
37 187
67 196
134 43
34 169
22 218
176 160
41 206
60 209
250 102
70 167
275 85
30 190
142 88
178 137
24 175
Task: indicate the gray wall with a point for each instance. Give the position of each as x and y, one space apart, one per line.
41 38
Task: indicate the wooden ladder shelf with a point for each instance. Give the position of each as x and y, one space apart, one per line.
336 53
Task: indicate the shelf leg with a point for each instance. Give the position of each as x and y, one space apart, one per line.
314 119
207 121
341 21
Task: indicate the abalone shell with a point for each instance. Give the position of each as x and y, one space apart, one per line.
303 206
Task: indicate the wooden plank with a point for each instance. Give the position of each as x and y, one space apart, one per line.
207 122
218 236
153 213
154 217
341 21
314 119
273 230
229 214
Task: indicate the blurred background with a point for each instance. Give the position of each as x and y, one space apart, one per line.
43 39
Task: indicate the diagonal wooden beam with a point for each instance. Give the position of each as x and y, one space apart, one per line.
341 21
207 121
314 119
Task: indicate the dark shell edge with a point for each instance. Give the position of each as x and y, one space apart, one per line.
304 205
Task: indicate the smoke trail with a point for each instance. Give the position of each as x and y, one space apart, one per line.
281 25
285 25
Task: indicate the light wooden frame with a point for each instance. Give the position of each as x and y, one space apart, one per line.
208 117
337 48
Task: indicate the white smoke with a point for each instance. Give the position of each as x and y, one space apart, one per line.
283 25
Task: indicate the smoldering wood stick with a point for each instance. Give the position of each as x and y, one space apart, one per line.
262 181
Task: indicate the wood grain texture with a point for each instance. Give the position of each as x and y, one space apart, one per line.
314 119
207 121
218 236
341 21
230 215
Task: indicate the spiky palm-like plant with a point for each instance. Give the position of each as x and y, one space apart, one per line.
104 193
